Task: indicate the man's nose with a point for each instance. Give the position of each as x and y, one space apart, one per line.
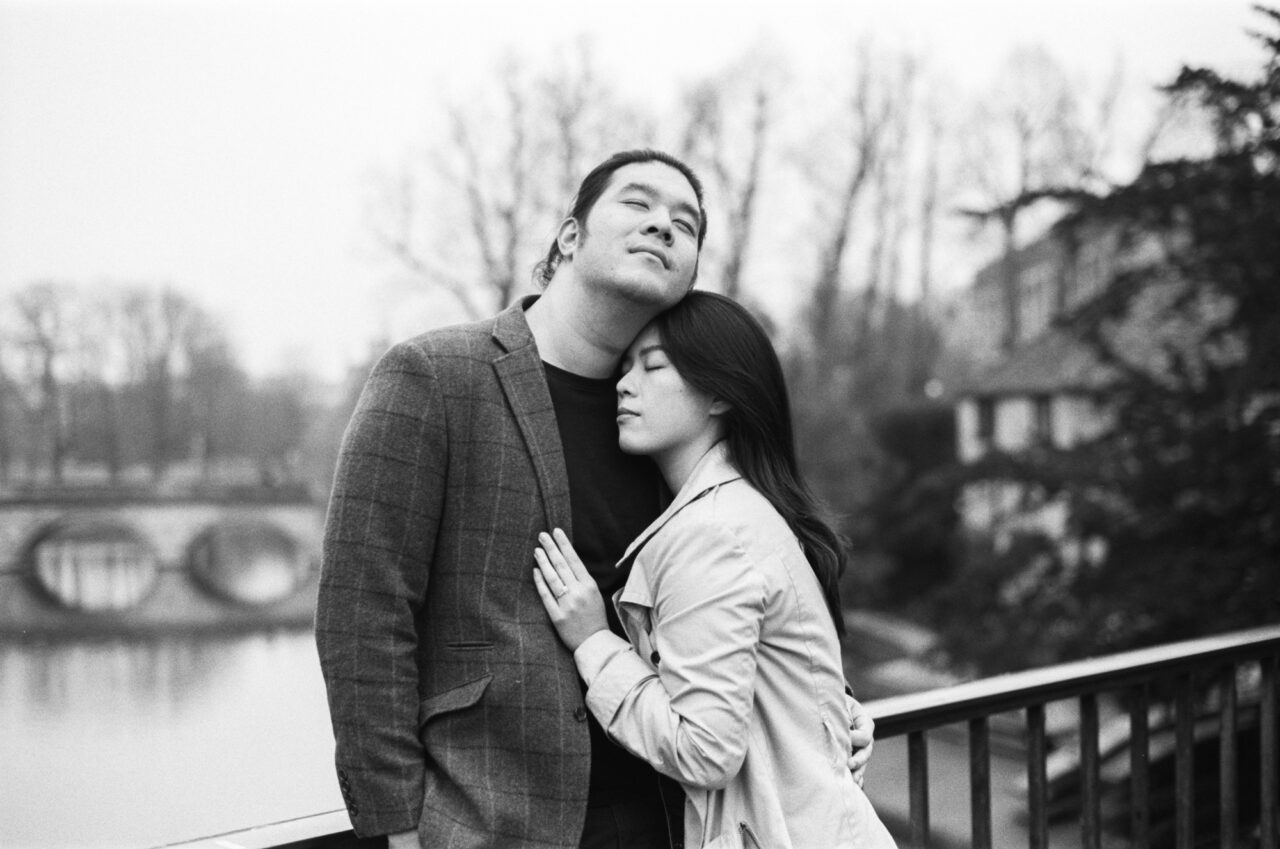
659 224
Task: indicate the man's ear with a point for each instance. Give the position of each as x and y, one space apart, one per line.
719 408
568 236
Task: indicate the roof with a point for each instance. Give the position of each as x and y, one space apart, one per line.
1053 362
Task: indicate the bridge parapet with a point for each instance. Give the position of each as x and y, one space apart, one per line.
96 563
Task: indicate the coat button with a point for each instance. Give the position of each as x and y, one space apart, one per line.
654 658
580 713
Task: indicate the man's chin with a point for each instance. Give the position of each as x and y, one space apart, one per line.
653 295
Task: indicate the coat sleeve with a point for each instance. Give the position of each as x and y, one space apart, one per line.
379 535
692 717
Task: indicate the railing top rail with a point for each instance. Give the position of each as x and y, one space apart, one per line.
915 711
277 835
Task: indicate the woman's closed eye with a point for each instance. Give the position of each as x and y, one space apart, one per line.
653 361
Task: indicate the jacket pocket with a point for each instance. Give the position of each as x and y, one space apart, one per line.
835 746
469 645
462 696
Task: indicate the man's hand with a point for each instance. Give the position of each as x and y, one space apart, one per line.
568 592
403 840
861 735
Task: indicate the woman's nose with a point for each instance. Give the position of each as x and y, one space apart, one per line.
625 389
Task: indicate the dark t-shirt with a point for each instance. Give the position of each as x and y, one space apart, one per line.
613 496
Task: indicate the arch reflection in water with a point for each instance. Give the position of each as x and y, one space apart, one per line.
248 562
94 565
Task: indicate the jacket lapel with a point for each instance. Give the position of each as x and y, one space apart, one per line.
524 383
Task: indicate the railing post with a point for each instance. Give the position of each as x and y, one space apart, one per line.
1184 764
1228 806
980 782
1090 804
1139 768
1037 784
1267 725
918 778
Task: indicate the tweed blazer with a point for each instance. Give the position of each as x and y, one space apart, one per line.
455 708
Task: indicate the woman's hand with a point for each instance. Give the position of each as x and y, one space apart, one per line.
862 730
568 592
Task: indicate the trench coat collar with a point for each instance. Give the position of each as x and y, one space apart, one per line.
712 470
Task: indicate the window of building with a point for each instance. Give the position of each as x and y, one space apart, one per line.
1042 420
987 421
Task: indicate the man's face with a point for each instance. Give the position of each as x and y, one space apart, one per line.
641 237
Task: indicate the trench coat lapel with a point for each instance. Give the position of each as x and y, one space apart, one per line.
523 380
712 470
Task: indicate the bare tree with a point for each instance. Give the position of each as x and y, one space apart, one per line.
217 394
156 328
929 192
860 143
96 411
46 337
469 216
890 176
1031 139
8 426
729 117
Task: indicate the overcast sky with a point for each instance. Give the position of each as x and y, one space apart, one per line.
226 147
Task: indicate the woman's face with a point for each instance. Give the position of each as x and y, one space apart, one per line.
658 412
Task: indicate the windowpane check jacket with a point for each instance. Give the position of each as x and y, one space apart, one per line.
455 708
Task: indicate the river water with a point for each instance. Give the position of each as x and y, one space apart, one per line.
139 744
136 744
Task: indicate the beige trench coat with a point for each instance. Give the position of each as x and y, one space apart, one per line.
732 681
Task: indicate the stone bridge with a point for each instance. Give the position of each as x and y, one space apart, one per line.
111 563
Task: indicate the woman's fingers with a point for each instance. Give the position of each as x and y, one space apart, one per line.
551 576
556 553
570 555
544 593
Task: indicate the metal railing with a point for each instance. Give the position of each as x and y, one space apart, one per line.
1211 666
1198 676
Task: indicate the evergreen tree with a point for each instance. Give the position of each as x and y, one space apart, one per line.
1185 484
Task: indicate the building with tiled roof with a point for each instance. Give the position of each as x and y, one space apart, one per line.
1035 385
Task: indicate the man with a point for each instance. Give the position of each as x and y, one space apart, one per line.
456 711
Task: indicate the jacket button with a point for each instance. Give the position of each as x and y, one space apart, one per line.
580 713
654 657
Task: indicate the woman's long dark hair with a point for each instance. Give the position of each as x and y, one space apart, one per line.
721 350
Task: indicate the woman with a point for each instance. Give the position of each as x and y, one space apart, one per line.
732 681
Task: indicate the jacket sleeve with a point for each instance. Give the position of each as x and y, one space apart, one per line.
691 718
379 534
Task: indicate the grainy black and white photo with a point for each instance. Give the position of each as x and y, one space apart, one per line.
554 425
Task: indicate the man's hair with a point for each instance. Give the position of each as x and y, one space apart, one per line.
594 184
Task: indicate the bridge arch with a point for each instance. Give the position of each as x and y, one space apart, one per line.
95 565
248 562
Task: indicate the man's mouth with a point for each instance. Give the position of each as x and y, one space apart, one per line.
624 413
654 253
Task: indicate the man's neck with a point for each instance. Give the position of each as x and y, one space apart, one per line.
584 332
